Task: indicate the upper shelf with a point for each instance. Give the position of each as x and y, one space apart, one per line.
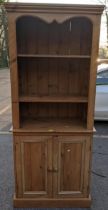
72 37
51 56
54 99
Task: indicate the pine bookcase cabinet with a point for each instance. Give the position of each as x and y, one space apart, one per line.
53 53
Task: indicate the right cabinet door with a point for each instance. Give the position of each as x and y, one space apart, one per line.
71 162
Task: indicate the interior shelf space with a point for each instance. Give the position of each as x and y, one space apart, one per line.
70 37
54 78
53 116
54 99
55 125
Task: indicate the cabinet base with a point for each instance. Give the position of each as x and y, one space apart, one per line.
52 203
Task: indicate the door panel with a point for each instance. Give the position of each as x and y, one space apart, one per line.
34 165
71 174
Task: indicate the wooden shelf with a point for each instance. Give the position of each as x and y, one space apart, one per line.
53 125
51 56
54 99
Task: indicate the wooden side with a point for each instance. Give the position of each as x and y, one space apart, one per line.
13 58
87 162
93 71
71 166
15 115
18 168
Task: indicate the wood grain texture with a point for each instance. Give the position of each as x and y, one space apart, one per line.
53 51
54 8
34 163
63 39
71 166
51 56
13 58
53 203
93 73
72 115
54 78
15 115
54 99
17 168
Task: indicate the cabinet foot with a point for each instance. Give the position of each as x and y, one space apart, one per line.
52 203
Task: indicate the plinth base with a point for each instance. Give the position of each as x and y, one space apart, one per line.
52 203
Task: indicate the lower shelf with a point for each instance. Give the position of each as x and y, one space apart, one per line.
53 125
52 203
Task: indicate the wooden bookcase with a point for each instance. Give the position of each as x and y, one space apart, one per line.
53 52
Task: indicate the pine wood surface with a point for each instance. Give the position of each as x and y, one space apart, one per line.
51 56
54 99
46 158
55 125
53 203
53 51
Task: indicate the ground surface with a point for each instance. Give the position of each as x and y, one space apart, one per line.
99 171
5 100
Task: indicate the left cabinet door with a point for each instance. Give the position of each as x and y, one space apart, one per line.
33 166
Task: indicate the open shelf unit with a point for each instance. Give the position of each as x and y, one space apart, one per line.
71 37
53 51
54 63
45 112
55 80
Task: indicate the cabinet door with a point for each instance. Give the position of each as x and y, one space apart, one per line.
71 166
32 166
